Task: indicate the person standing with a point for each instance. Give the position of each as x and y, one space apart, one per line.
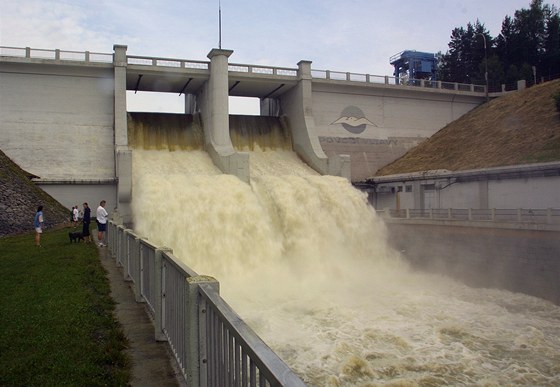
39 223
86 221
75 215
102 217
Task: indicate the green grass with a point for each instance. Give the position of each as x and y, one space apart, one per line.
57 323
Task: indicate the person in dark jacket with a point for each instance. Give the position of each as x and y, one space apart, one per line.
86 221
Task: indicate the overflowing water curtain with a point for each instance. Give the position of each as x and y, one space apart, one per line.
303 259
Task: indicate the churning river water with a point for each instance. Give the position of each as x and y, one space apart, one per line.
304 261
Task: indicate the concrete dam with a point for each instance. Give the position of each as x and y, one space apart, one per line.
341 123
299 253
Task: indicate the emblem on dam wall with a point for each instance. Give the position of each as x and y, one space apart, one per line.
353 120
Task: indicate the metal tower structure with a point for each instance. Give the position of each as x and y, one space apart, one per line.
412 64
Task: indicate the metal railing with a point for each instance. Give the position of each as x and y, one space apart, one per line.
210 342
393 81
517 215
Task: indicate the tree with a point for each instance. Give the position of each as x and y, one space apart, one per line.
531 38
551 57
466 52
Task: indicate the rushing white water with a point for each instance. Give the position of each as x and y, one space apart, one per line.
303 259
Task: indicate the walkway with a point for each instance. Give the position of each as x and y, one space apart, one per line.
152 363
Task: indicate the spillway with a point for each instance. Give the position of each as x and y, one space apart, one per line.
304 260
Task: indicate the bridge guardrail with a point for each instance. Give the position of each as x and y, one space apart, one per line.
167 62
265 70
210 342
158 62
393 81
539 216
58 55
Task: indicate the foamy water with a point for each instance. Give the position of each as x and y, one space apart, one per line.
304 260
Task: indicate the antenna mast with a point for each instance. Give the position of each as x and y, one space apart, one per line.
220 23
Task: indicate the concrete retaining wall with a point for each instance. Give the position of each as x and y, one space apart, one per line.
377 125
57 121
515 260
508 187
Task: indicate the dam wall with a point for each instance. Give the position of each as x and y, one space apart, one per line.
377 125
63 115
57 123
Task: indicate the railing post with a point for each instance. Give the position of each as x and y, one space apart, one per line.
519 214
28 52
408 213
137 273
493 214
549 215
470 214
126 253
347 76
120 231
196 369
472 87
386 79
87 56
158 288
328 74
367 78
439 84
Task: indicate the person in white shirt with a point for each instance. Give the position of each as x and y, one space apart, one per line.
102 217
75 215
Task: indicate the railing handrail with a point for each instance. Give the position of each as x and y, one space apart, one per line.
268 70
395 81
155 62
149 266
57 54
253 69
180 266
276 372
546 217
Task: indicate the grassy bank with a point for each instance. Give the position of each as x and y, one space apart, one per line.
57 325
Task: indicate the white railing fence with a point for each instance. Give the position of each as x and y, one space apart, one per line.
515 215
57 55
210 342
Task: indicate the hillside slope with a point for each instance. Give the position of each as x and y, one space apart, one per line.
518 128
19 199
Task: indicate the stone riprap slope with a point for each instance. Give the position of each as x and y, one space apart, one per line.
19 199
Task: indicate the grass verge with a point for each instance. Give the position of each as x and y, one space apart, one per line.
57 320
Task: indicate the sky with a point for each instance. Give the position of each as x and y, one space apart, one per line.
357 36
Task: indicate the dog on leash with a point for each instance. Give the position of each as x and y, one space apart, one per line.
76 237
